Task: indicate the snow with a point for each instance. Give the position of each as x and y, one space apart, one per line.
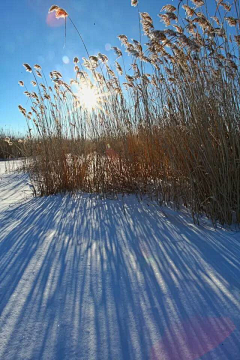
85 278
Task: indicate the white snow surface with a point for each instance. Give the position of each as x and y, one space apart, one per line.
88 279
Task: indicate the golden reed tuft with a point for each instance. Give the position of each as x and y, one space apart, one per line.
59 12
134 3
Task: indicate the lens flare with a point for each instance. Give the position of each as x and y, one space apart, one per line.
193 338
65 59
53 22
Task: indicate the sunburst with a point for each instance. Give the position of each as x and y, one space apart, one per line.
90 97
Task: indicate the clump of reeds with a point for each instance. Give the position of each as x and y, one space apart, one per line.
169 128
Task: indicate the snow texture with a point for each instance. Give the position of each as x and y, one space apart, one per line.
88 279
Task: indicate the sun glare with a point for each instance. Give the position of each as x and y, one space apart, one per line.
89 97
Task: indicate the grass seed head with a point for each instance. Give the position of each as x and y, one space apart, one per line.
232 21
37 67
53 8
117 51
134 3
61 13
168 8
189 11
198 3
27 67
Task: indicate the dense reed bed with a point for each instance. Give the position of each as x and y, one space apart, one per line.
169 128
12 145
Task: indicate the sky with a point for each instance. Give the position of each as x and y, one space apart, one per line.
30 35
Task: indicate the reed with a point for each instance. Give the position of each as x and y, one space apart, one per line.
169 128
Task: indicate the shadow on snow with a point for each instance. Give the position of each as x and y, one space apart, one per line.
91 279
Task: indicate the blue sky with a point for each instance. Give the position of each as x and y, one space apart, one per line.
28 37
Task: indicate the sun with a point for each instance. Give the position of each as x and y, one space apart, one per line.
91 97
88 97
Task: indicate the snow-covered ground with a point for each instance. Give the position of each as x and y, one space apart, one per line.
84 278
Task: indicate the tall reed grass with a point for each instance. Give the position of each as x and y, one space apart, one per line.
169 128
